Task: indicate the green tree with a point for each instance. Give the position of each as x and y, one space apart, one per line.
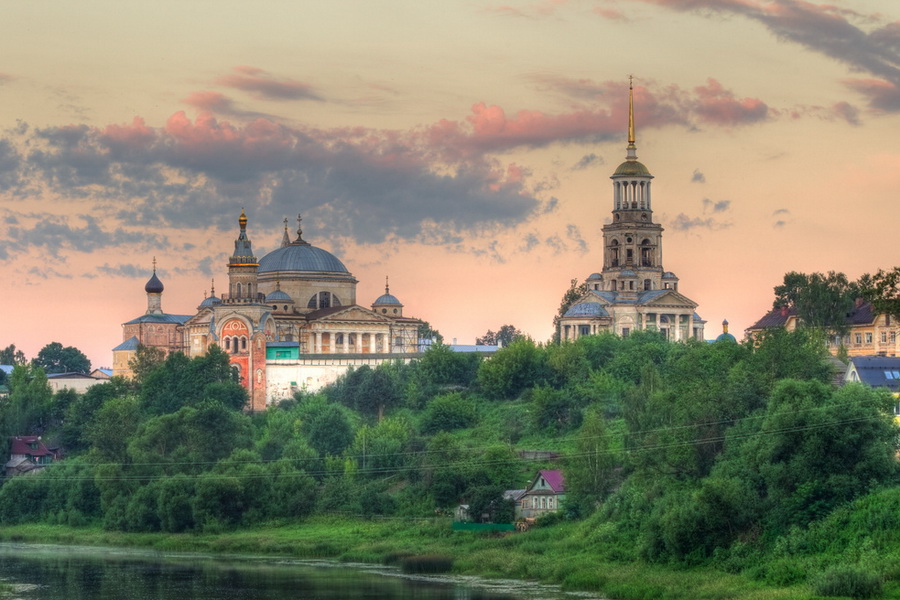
883 291
427 332
30 406
589 470
449 412
146 360
328 429
504 336
54 358
821 300
12 356
512 370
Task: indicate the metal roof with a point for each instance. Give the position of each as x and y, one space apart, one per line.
163 318
301 257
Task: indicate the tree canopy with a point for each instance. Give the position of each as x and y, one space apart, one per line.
883 291
504 336
55 358
821 300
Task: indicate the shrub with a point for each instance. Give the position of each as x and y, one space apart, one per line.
847 581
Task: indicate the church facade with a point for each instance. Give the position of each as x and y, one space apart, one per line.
632 291
289 321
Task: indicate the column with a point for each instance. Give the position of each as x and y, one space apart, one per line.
359 343
346 341
386 345
318 342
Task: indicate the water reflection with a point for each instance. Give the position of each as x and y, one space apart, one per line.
75 573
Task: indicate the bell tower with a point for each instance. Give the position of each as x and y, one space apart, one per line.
632 243
242 267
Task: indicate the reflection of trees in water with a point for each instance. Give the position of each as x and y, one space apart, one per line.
80 574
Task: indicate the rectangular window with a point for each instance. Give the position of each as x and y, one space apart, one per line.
858 338
869 337
884 337
625 331
888 375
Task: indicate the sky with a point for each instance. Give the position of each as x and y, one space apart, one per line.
462 149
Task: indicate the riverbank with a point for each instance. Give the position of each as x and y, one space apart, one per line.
550 555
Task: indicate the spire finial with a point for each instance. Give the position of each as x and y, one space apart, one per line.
387 288
631 111
212 287
242 221
154 265
299 230
285 239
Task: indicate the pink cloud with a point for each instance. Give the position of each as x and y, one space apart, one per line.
883 95
135 135
847 112
210 101
718 105
262 85
611 14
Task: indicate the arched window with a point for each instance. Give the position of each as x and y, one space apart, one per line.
227 344
243 343
238 289
646 285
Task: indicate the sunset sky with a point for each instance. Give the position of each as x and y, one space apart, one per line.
462 148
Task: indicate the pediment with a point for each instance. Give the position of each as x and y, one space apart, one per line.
669 298
353 314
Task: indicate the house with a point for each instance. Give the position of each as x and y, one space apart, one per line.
28 454
876 372
545 494
79 382
868 332
102 373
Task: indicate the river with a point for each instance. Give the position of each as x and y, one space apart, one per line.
47 572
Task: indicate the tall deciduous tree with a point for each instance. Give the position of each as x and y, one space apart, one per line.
504 336
883 291
821 300
589 469
12 356
55 358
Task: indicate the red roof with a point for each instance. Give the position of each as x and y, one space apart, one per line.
21 444
554 479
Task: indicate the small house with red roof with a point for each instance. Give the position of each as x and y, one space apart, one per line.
545 494
28 454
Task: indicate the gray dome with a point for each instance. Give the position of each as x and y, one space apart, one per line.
210 302
586 309
387 300
627 273
594 276
301 257
669 275
278 296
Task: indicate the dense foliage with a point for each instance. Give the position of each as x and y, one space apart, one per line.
737 456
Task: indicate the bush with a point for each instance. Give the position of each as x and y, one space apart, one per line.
449 412
847 581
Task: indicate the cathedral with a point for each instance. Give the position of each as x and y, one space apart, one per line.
289 321
632 291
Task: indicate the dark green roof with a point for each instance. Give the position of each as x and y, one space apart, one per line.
632 168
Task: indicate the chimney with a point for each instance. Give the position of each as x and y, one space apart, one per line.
784 311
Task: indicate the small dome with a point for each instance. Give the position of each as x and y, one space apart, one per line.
301 257
627 273
632 168
387 300
154 285
210 302
726 337
669 275
586 309
595 277
278 296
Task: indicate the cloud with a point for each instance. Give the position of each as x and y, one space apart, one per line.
783 218
131 271
4 77
847 112
855 39
53 234
588 160
717 105
262 85
716 207
698 177
530 242
574 234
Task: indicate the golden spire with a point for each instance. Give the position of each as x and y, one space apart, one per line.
631 111
387 288
242 221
